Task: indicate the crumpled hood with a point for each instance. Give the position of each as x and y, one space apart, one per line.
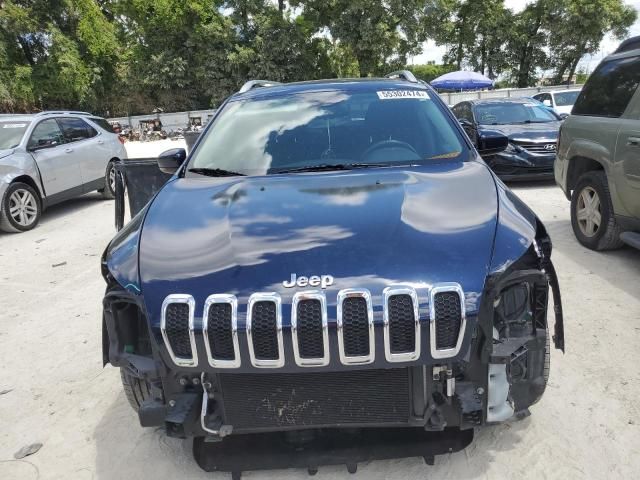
366 228
538 132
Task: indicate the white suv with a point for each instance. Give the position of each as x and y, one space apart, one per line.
560 100
49 157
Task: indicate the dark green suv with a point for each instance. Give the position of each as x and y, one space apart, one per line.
598 160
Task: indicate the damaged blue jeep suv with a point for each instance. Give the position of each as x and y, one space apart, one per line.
331 256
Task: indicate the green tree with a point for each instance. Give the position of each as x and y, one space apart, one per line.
380 35
274 44
474 32
579 27
63 51
430 71
529 36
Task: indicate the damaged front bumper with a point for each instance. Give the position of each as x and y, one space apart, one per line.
501 371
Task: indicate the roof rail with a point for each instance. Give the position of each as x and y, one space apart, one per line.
62 112
251 84
404 75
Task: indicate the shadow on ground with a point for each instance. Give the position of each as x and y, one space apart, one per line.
71 206
67 208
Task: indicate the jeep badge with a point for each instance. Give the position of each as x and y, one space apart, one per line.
322 281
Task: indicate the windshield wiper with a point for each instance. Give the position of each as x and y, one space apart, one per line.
330 166
215 172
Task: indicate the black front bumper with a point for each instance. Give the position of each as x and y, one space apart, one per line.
275 451
522 166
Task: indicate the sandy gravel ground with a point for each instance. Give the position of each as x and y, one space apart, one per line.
586 426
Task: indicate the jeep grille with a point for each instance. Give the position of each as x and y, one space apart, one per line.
355 328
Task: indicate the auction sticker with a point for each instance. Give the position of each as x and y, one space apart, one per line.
14 125
400 94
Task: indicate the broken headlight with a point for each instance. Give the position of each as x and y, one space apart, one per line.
514 311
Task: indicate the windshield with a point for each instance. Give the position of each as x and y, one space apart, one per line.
564 99
504 113
303 130
11 133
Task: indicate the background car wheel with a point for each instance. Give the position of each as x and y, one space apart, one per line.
109 190
592 218
21 208
136 389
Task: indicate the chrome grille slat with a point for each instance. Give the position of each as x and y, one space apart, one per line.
300 322
309 327
166 328
216 347
391 323
537 147
447 352
257 303
343 323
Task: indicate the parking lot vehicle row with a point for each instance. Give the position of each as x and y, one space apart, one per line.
49 157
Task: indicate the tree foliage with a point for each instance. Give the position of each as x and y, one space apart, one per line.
430 71
578 28
378 34
547 34
131 56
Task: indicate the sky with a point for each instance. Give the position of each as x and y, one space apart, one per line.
432 52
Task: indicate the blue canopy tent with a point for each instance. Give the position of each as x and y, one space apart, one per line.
461 80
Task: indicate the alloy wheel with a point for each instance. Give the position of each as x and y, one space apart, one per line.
23 207
112 178
589 212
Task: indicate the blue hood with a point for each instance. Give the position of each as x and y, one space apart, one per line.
367 228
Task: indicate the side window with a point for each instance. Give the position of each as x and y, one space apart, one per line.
46 134
91 132
609 88
102 123
463 112
75 129
466 112
544 97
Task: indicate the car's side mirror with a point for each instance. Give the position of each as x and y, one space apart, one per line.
491 142
171 160
546 103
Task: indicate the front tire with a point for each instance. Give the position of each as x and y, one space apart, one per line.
21 208
592 218
136 389
109 190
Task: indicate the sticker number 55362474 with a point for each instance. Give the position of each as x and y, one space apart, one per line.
400 94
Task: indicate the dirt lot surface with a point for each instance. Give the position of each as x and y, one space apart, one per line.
57 393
